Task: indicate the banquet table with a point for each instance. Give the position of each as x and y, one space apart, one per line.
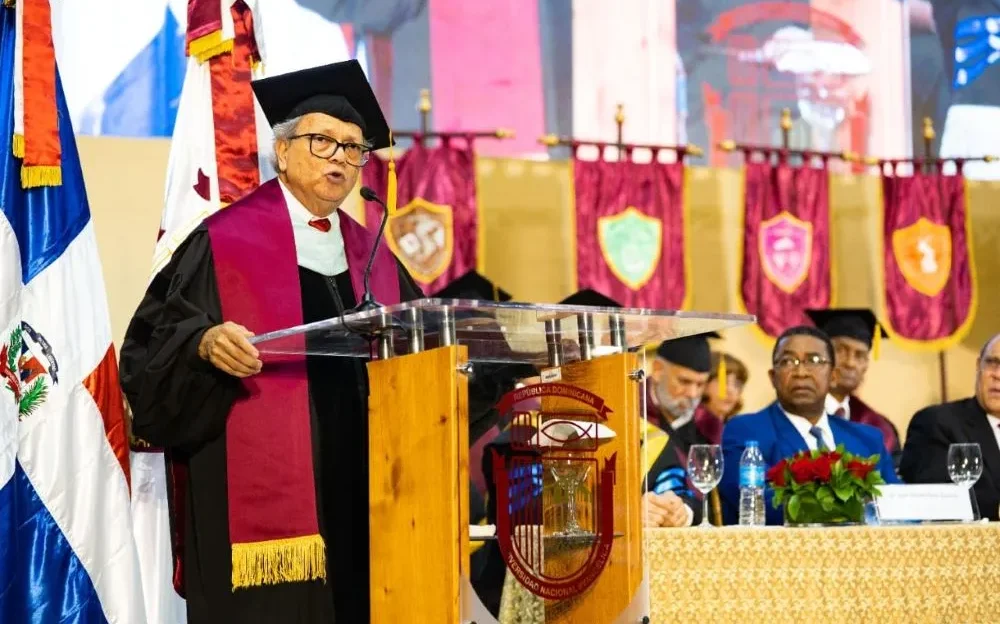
913 574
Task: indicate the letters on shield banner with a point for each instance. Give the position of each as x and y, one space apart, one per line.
421 234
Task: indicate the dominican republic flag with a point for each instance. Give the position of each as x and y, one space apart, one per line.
67 552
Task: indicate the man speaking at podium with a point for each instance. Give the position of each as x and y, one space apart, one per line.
271 522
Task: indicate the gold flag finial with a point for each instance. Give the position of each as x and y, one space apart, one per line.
503 133
728 145
786 119
550 140
928 129
620 114
424 103
694 150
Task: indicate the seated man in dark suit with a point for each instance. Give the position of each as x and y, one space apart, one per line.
975 419
803 359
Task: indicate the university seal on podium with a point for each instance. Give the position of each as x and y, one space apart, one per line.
421 234
555 535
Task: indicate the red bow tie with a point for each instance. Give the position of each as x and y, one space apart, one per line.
323 225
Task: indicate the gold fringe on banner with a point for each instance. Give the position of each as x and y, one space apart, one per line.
279 561
19 145
204 48
32 177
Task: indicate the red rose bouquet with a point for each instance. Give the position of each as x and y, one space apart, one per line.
824 487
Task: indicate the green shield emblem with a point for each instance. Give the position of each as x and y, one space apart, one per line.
631 243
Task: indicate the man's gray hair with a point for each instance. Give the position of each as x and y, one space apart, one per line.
283 131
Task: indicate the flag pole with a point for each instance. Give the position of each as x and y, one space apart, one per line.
620 124
927 167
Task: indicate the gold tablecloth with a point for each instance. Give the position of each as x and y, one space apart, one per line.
852 574
916 574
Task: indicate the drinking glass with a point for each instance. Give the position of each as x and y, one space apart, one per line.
965 464
705 466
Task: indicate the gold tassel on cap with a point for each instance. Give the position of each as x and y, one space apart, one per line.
723 383
390 191
876 341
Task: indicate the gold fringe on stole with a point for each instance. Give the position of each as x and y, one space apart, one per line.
40 175
18 146
279 561
390 192
204 48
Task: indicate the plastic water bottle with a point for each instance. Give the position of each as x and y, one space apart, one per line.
752 468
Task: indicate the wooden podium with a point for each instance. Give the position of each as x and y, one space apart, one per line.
421 355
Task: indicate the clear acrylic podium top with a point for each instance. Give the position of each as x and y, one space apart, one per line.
502 333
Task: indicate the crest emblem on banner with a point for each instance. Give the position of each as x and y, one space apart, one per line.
28 368
560 449
785 250
923 255
631 243
421 234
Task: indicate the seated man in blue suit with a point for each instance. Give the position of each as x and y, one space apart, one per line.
797 421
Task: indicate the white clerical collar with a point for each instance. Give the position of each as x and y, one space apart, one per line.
322 252
832 405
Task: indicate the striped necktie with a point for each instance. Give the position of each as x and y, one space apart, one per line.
818 434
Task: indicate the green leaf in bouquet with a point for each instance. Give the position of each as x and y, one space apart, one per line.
824 493
844 492
779 495
794 506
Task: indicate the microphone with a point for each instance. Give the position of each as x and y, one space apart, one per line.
368 299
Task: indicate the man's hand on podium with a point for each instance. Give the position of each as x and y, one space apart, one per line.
226 347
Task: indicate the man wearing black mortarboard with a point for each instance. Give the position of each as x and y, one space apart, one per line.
680 371
271 522
855 334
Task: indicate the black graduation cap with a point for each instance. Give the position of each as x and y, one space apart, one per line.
590 297
472 285
340 90
856 323
690 351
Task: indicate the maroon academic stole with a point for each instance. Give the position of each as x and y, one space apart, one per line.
786 244
273 519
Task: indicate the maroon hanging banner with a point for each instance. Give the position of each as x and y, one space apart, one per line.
786 266
435 230
930 290
630 225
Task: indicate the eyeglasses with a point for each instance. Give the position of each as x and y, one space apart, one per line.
322 146
790 362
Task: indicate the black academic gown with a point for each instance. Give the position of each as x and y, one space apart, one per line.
181 402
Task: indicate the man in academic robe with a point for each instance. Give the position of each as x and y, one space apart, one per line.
271 522
802 361
852 332
975 419
679 374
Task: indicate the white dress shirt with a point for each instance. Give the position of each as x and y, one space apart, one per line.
803 426
316 250
832 405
